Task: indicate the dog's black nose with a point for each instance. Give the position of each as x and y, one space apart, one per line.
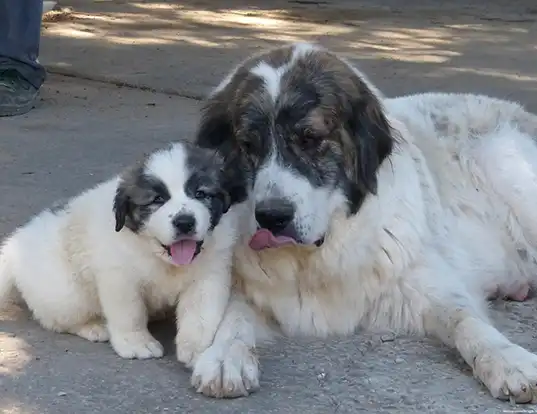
274 214
185 223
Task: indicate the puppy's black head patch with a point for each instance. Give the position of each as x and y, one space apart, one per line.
138 195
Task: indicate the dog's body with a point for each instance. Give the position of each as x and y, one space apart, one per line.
403 213
120 253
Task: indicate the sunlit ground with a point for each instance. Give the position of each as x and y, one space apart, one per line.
164 24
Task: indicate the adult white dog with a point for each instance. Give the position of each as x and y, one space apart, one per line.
158 236
403 213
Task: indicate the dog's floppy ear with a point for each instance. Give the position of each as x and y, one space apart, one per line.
226 200
121 206
373 140
216 126
236 178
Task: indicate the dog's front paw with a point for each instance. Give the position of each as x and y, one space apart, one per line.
229 373
510 373
140 345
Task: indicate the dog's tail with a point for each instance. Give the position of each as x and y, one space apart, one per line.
7 285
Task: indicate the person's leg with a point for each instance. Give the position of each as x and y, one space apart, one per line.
21 75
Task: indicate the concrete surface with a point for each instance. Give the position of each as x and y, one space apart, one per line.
186 47
84 131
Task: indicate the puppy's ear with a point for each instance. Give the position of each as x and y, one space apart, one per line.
121 207
373 140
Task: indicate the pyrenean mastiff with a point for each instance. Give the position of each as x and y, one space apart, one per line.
158 236
404 213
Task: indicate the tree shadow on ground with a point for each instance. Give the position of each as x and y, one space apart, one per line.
187 47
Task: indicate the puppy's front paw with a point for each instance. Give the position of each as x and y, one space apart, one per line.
191 343
140 345
194 336
227 373
510 373
188 351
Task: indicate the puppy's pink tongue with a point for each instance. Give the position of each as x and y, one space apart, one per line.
183 252
263 239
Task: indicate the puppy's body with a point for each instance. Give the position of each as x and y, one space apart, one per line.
78 274
423 207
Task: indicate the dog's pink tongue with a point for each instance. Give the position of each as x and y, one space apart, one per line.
263 239
183 252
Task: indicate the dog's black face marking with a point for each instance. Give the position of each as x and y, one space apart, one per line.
309 130
137 197
326 124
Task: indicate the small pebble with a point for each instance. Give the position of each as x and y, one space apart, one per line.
61 394
399 360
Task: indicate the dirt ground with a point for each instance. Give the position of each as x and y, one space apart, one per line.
126 77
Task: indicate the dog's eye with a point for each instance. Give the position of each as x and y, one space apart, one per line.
158 200
308 139
247 147
201 195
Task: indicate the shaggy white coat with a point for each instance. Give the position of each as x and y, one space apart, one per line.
454 223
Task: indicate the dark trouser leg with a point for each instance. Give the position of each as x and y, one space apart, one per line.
20 27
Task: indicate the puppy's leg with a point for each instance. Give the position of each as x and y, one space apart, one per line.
126 316
229 368
459 320
200 310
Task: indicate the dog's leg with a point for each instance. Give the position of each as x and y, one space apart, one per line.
200 310
126 317
460 321
229 368
506 159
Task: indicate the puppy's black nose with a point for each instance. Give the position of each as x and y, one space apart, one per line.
184 223
274 214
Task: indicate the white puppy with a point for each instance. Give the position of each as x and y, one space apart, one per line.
159 235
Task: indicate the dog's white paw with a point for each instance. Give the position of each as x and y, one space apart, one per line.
94 332
509 372
229 373
140 345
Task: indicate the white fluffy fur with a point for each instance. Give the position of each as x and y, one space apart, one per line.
78 275
453 223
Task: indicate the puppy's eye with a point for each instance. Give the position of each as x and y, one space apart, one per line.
158 200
